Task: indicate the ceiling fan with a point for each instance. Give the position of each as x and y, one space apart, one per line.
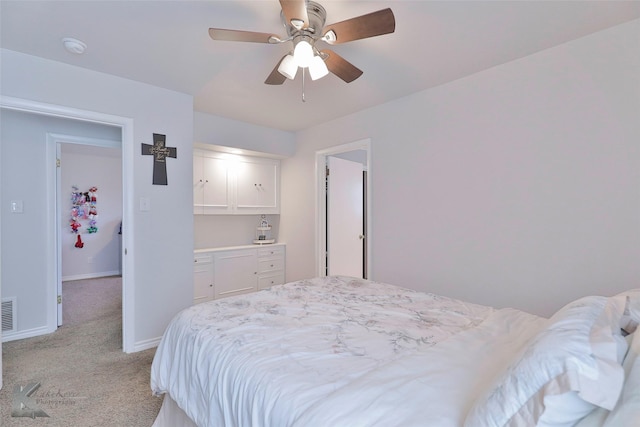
304 21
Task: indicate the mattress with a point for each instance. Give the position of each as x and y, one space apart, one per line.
335 351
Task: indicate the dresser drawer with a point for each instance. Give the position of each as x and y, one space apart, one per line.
269 280
274 251
267 265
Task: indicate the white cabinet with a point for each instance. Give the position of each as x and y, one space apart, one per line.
230 184
211 184
257 186
235 272
203 278
224 272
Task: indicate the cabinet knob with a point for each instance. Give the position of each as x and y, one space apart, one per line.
271 265
211 286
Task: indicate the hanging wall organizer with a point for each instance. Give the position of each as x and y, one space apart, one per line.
83 213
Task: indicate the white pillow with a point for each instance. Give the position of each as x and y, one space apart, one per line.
627 411
575 359
631 316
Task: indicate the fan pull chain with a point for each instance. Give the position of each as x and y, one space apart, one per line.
303 73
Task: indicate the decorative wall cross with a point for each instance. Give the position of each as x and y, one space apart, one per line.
160 153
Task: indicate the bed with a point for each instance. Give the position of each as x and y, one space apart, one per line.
339 351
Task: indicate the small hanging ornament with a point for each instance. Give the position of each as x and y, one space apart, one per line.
79 243
75 225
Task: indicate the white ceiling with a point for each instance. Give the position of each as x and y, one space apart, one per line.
166 44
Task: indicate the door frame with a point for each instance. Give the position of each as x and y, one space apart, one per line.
54 142
321 203
128 264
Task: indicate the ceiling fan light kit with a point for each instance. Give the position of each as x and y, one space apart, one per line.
303 53
288 67
317 68
304 21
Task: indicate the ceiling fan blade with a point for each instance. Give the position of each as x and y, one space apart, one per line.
242 36
361 27
295 11
275 78
341 67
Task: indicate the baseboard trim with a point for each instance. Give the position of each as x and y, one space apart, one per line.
29 333
91 275
146 344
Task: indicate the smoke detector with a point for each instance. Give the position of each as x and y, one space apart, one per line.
74 45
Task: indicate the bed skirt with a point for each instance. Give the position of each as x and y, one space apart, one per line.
171 415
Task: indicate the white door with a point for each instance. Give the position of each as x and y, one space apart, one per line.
58 234
345 210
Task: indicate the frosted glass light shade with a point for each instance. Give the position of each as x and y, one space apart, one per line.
288 67
317 68
303 53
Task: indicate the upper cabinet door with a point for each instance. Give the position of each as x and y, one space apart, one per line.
257 186
217 197
211 184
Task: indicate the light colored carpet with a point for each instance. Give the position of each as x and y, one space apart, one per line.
85 378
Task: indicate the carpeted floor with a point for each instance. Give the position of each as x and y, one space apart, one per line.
85 378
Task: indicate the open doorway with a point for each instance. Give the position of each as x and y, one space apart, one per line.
89 212
124 128
343 176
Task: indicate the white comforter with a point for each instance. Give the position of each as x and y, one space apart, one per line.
335 351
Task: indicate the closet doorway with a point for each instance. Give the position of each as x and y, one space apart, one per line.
343 210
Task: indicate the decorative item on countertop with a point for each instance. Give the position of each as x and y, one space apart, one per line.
263 233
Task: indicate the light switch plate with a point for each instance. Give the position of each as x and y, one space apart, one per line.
145 204
16 206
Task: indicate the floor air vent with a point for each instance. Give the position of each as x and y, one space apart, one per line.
9 317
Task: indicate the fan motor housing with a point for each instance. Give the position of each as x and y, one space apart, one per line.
317 18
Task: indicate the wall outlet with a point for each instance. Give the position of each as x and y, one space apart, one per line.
90 260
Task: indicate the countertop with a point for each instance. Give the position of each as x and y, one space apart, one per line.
230 248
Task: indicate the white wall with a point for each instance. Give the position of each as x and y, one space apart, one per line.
215 231
100 255
161 249
214 130
517 186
